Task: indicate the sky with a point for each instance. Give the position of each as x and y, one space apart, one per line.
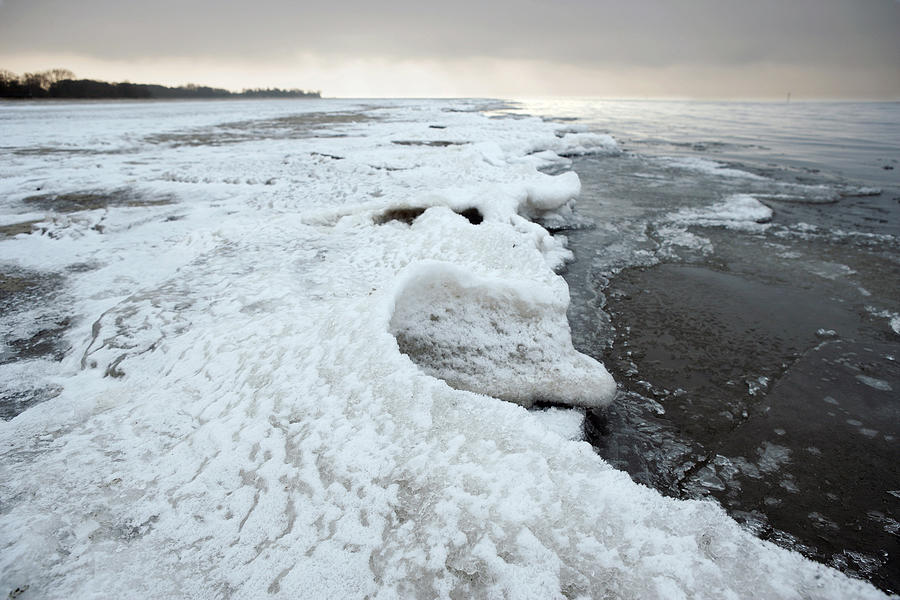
751 49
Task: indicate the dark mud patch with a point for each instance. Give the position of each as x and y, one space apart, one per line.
71 202
403 215
32 329
22 292
15 402
13 286
46 343
14 229
432 143
299 126
61 151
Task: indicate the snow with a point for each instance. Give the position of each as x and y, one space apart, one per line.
235 416
495 337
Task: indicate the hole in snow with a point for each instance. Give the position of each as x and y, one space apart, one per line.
499 338
473 215
408 214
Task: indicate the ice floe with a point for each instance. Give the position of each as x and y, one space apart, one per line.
739 211
708 167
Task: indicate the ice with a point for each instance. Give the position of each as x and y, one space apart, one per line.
581 143
236 418
676 237
739 211
709 167
892 317
501 338
875 383
772 457
567 422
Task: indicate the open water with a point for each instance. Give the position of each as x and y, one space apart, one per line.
756 352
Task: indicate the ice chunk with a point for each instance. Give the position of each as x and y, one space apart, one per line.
875 383
550 193
709 167
566 422
581 143
504 339
893 318
675 237
739 211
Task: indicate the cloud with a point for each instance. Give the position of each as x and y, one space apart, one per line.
587 35
646 32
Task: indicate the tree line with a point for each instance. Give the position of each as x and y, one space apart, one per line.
61 83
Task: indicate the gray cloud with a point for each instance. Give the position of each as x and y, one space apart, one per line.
837 34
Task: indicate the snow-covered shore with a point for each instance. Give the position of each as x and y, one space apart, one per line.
235 416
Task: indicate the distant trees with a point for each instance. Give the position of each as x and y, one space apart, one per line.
278 93
7 77
61 83
48 78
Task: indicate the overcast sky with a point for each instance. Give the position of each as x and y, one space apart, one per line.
611 48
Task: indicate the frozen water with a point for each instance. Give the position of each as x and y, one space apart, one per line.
739 211
875 383
708 167
499 338
235 417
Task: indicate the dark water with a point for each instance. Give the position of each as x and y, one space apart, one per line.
757 364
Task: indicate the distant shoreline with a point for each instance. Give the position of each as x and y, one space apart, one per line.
174 99
61 84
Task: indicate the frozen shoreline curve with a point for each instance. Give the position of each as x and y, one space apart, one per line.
233 414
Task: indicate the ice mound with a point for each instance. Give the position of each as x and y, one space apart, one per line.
498 338
550 194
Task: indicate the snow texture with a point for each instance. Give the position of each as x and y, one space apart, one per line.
499 338
235 416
